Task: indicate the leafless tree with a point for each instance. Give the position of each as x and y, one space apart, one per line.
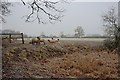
119 28
44 6
47 7
62 35
4 10
79 31
110 20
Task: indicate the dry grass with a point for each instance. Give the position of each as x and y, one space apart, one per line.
63 59
78 65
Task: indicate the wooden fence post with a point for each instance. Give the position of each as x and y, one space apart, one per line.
22 38
10 38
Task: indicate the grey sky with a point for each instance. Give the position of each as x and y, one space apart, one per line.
85 14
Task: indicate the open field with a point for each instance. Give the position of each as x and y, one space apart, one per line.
64 59
75 39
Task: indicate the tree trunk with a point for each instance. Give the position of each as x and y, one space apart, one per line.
119 44
116 41
118 55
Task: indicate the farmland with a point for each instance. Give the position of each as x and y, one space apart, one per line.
68 58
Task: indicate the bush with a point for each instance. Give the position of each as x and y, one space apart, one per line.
109 44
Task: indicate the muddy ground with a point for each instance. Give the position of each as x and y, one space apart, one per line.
64 59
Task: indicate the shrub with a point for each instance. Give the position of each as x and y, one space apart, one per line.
109 44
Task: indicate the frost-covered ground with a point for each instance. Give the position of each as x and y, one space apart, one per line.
66 59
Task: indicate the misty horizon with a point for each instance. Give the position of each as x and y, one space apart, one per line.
85 14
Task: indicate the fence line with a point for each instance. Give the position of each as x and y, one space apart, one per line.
10 34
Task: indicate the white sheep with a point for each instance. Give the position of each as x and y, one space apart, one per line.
53 40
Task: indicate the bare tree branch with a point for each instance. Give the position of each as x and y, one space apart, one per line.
110 21
46 7
23 2
4 10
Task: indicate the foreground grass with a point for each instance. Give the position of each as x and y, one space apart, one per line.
63 59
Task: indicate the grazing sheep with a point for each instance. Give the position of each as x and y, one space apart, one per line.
53 40
42 40
37 41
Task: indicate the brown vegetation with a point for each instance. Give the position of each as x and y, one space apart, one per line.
13 39
64 59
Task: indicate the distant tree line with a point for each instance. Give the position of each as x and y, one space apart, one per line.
12 31
61 35
78 33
